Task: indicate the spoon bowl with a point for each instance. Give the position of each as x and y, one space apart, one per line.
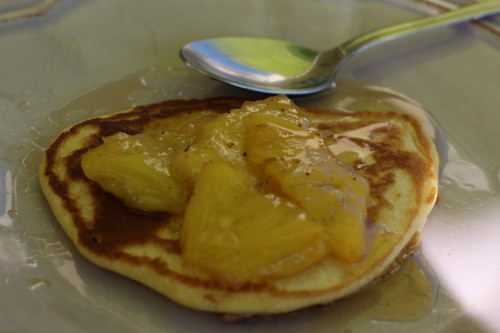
280 67
259 64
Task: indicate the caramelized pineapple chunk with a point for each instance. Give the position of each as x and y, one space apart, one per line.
335 199
270 137
136 170
221 137
218 139
278 106
297 164
238 235
187 164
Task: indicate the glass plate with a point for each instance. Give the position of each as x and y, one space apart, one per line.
85 58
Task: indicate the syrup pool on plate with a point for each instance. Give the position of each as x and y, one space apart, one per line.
410 296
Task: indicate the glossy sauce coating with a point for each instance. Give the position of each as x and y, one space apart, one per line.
116 225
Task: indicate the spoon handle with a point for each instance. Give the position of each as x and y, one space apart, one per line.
472 12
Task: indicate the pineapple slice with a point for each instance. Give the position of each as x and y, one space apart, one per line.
269 138
297 164
335 199
227 221
278 106
187 165
219 139
223 135
136 170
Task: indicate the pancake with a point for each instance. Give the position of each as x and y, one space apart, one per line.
394 153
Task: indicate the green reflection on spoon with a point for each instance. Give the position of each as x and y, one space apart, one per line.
273 56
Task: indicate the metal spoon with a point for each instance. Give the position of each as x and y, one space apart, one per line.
280 67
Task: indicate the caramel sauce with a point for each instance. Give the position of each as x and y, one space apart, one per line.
404 296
